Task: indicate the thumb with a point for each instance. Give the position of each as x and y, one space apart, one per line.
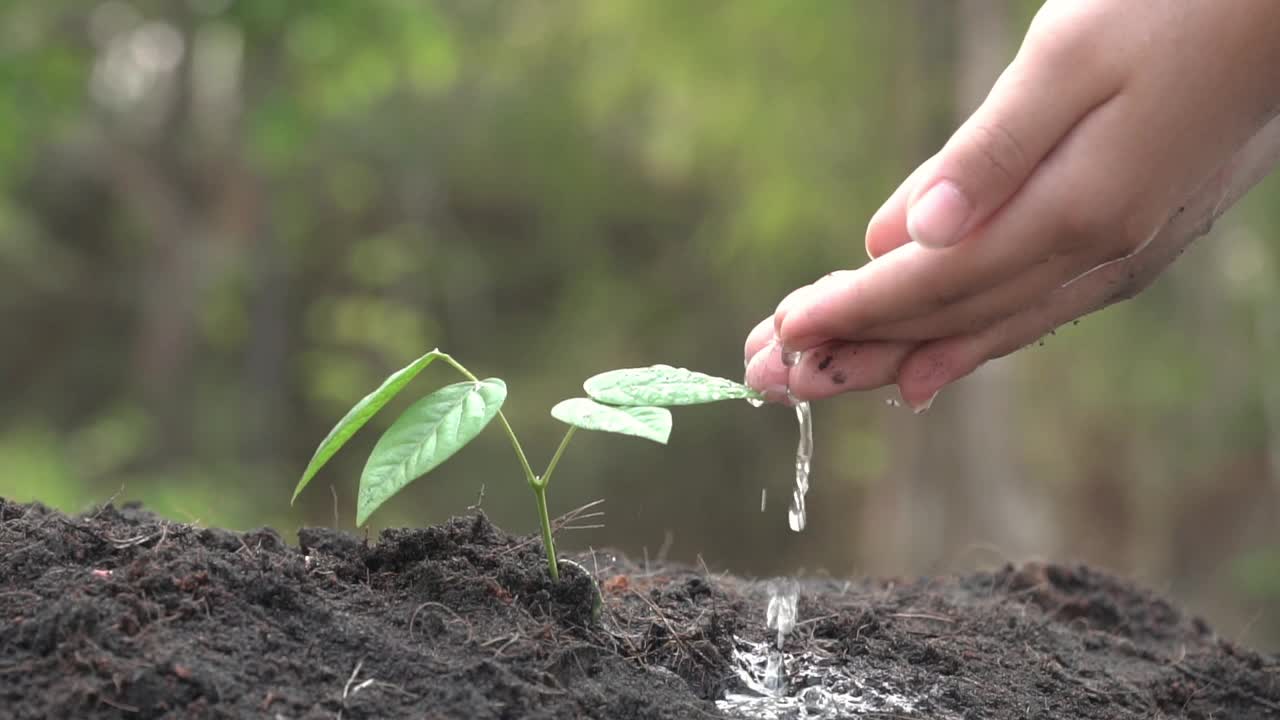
1038 99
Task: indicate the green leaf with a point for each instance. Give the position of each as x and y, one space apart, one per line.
427 434
663 385
357 416
650 423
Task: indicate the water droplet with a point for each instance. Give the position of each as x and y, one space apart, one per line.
892 402
790 357
764 495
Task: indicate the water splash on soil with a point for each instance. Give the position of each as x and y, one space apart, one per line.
814 688
784 596
780 616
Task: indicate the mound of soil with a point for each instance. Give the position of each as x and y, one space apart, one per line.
121 614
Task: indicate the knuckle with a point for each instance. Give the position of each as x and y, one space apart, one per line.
997 151
1057 38
1061 44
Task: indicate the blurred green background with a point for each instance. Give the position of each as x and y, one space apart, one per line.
224 221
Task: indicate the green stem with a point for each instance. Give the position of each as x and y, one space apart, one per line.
555 459
548 542
539 485
515 442
540 491
524 461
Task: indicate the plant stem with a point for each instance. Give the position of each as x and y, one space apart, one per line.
540 490
539 485
511 434
555 459
548 542
515 443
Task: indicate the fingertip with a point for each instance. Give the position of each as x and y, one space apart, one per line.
919 406
932 367
793 343
887 228
759 336
800 322
799 331
833 368
765 372
784 308
939 217
916 398
884 234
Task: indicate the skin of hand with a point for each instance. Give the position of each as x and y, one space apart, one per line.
1116 136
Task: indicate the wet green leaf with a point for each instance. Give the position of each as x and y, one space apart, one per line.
427 434
357 416
663 385
650 423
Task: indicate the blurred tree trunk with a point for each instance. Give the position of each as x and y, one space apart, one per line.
145 143
956 480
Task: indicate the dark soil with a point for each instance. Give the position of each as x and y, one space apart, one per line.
121 614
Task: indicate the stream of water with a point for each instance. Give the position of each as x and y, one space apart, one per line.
763 670
800 685
796 514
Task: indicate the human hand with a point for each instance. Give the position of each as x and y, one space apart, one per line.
1117 134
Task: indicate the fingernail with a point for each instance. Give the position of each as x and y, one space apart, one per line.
923 407
936 219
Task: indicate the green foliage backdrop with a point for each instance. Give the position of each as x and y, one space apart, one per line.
224 221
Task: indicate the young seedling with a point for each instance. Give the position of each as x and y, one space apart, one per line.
628 402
